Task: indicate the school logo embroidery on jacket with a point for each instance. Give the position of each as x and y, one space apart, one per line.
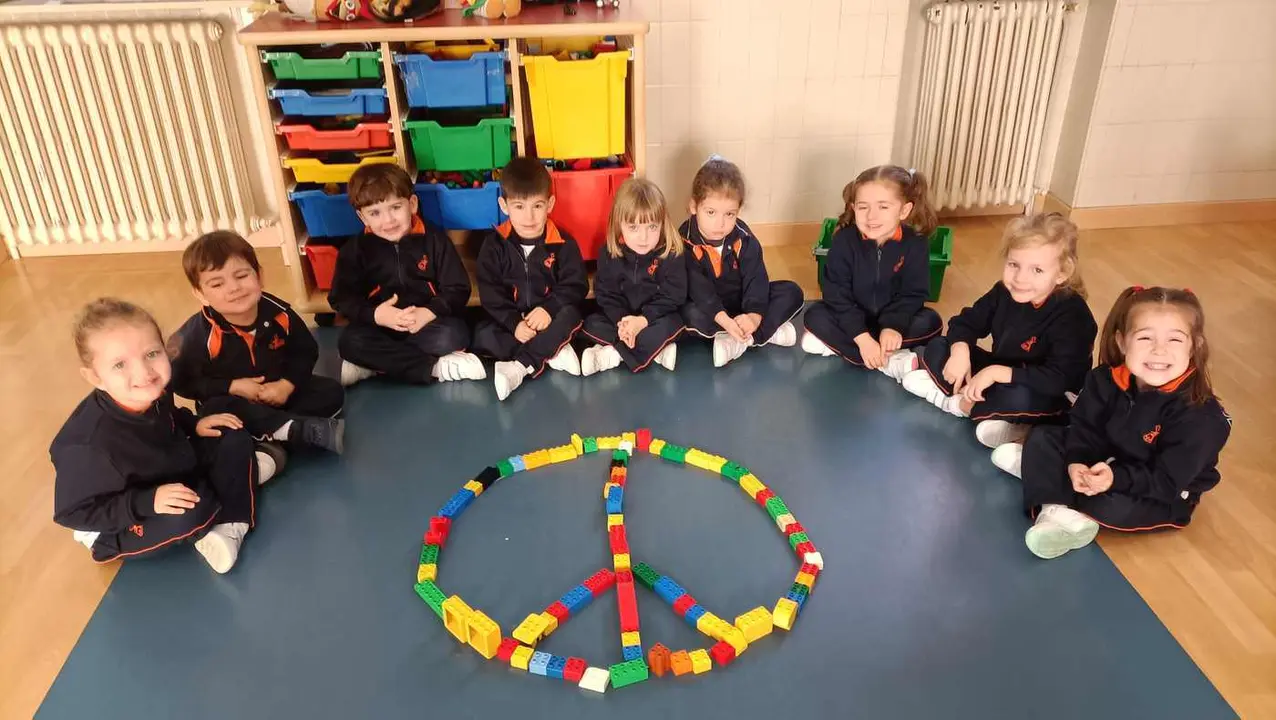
549 262
136 530
655 265
1027 344
276 342
424 263
1150 436
898 264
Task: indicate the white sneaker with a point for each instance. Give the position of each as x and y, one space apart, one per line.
725 349
816 346
599 358
919 383
85 537
668 357
351 373
995 433
459 366
899 364
220 547
1058 530
565 360
785 335
508 376
271 459
1009 457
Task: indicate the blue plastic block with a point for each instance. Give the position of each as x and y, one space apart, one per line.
517 463
577 599
668 590
555 667
539 664
451 510
632 652
799 598
693 614
615 501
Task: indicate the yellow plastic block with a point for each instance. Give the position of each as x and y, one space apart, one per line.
607 488
427 572
785 613
551 624
562 453
531 630
609 443
629 437
456 618
806 579
485 635
696 457
736 640
614 520
755 624
474 486
620 561
783 521
533 460
628 639
578 444
656 446
521 657
751 485
700 662
705 623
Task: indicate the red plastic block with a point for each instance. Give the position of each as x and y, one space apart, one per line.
559 611
618 542
812 570
507 648
600 582
434 537
643 439
722 653
627 600
763 495
574 670
625 576
683 604
793 527
441 524
618 476
803 548
658 660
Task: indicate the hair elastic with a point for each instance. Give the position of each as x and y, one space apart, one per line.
711 158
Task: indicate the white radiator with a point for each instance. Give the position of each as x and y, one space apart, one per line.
118 137
987 72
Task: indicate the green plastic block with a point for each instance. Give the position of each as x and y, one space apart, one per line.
674 453
505 468
775 507
645 575
432 596
620 455
628 673
590 444
429 554
733 471
800 589
797 538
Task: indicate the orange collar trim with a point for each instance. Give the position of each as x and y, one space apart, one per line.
1121 376
899 233
552 236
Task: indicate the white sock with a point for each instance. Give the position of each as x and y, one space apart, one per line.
282 432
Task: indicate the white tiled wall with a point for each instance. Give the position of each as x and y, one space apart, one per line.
1186 105
800 93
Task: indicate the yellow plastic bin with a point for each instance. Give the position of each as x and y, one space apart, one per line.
552 45
578 106
316 171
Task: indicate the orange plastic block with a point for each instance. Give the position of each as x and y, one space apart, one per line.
806 579
680 662
658 660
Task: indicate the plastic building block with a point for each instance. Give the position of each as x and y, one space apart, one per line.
551 624
559 611
456 616
775 507
611 442
574 670
722 653
614 519
474 486
736 640
673 453
531 630
440 525
694 613
705 623
615 501
618 540
700 662
645 575
507 648
533 460
628 673
505 468
620 455
751 485
554 669
488 476
627 446
628 606
797 538
642 439
485 635
625 576
793 527
432 595
427 572
798 598
668 590
621 561
783 521
814 558
607 486
632 652
805 548
755 624
595 679
658 660
562 453
429 554
805 579
618 476
784 614
733 471
809 569
763 495
684 603
630 638
539 664
522 657
656 447
629 437
589 445
578 444
680 663
601 581
517 463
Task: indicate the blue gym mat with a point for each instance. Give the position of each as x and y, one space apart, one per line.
930 605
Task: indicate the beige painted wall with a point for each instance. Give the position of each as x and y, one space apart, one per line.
1186 105
802 94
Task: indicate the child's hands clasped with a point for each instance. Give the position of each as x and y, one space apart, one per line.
247 388
416 318
523 332
870 350
731 326
1092 480
538 319
629 327
388 316
275 393
174 499
208 426
749 324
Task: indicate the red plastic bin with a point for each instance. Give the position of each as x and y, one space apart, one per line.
323 263
582 203
364 136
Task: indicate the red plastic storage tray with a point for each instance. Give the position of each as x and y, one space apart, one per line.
323 263
582 203
364 136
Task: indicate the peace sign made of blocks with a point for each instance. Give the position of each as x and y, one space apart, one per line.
471 626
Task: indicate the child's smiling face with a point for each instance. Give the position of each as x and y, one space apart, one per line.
128 363
1157 344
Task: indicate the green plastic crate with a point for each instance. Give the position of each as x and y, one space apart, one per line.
941 254
483 146
353 65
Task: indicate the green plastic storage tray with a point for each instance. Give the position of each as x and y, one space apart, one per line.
941 254
483 146
353 65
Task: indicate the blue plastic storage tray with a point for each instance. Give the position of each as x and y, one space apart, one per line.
461 208
359 101
475 82
326 215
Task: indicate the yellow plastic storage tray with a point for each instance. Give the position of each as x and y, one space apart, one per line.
553 45
317 171
578 106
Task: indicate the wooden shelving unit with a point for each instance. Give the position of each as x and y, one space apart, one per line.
275 30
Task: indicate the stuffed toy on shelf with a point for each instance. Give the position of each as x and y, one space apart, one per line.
390 11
